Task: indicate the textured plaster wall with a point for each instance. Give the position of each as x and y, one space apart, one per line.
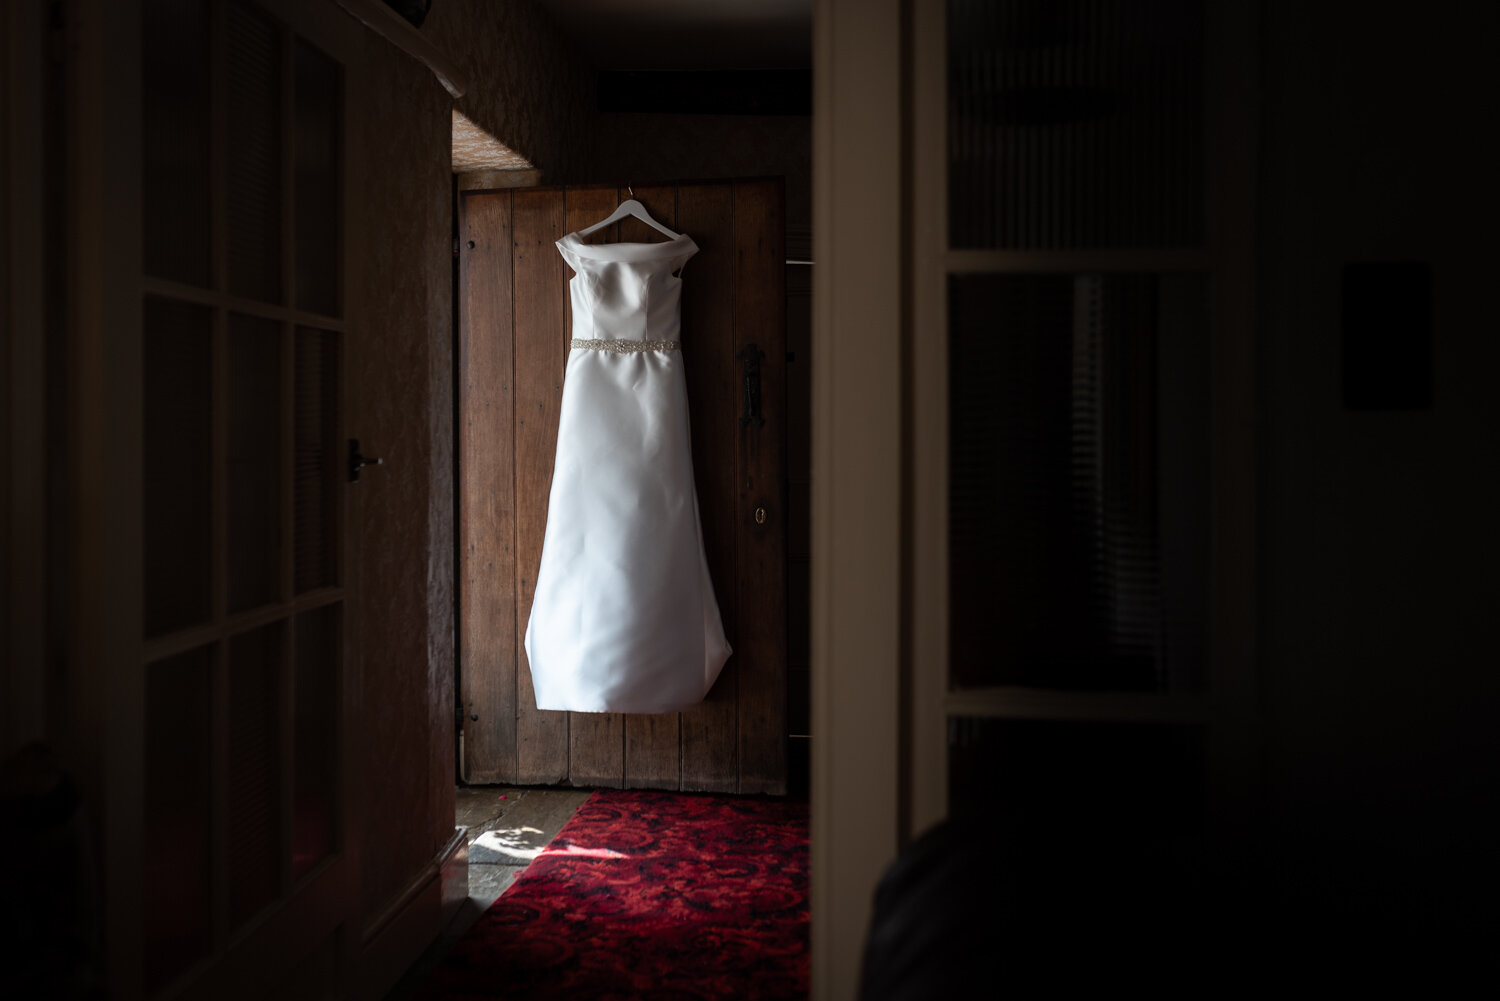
400 378
527 87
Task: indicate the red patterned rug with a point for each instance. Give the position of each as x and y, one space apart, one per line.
648 895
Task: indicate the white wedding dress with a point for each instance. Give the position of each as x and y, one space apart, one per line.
624 618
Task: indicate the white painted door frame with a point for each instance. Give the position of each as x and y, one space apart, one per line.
856 474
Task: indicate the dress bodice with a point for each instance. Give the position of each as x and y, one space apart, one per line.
626 291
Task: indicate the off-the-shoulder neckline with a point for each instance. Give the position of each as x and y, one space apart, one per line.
628 251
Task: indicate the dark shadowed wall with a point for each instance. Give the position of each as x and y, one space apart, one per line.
632 148
1377 530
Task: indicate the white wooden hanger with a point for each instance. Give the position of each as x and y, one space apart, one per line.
630 207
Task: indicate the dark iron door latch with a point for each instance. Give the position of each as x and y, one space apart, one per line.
750 357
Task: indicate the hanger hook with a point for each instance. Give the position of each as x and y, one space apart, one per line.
631 190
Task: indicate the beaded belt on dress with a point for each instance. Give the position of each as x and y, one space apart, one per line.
624 347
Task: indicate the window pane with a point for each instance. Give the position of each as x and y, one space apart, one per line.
255 660
176 354
178 753
253 162
1075 123
315 736
1078 481
254 461
318 161
175 139
317 482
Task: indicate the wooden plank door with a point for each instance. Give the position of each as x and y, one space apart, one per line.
514 329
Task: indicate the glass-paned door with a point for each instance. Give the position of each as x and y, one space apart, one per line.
244 575
1076 539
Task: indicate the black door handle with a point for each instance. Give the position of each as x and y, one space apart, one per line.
358 461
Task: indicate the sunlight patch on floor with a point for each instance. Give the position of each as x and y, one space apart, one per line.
580 851
520 844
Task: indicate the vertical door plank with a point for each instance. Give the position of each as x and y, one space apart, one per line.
486 521
540 312
587 204
653 757
597 740
760 320
706 212
652 753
